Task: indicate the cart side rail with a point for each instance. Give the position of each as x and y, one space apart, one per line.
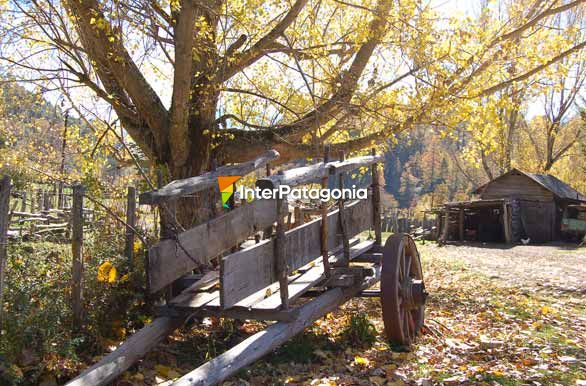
170 259
245 272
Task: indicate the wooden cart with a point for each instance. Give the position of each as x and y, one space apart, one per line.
294 276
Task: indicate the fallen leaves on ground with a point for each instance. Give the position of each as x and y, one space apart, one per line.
480 330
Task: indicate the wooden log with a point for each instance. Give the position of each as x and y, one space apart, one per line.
76 248
264 342
314 173
251 269
5 187
118 361
130 224
294 177
205 181
170 259
345 166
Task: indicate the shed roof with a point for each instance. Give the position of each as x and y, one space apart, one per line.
549 182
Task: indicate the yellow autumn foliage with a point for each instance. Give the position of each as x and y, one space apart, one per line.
107 273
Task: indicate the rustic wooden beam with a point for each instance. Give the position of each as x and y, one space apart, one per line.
324 220
280 258
376 202
347 165
252 269
134 348
170 259
342 217
130 225
316 172
205 181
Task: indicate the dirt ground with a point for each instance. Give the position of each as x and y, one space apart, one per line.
559 266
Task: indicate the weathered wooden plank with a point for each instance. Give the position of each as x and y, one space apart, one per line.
376 201
170 259
249 270
303 283
314 173
351 164
208 281
205 181
130 224
294 177
355 252
190 300
280 259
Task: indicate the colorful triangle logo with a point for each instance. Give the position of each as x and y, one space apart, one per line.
226 185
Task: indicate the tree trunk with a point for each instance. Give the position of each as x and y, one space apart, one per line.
189 211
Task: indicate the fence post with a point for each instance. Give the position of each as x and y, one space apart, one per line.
280 258
342 215
23 201
130 224
76 248
4 222
324 219
268 231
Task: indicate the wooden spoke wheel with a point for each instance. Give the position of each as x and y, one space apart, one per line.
402 290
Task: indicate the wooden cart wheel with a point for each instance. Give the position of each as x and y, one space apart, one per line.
402 290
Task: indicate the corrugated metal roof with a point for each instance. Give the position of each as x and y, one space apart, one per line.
549 182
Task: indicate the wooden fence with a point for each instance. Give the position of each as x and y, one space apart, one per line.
405 220
69 220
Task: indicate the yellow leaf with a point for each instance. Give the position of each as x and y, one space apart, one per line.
104 271
360 361
137 246
113 275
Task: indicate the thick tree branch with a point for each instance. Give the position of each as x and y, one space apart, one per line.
349 81
179 114
528 74
116 68
255 52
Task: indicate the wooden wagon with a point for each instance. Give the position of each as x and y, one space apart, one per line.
300 271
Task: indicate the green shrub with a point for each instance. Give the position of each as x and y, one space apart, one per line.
37 306
359 330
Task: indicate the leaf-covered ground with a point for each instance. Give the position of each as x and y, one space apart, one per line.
493 317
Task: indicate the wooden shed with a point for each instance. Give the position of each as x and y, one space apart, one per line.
512 207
